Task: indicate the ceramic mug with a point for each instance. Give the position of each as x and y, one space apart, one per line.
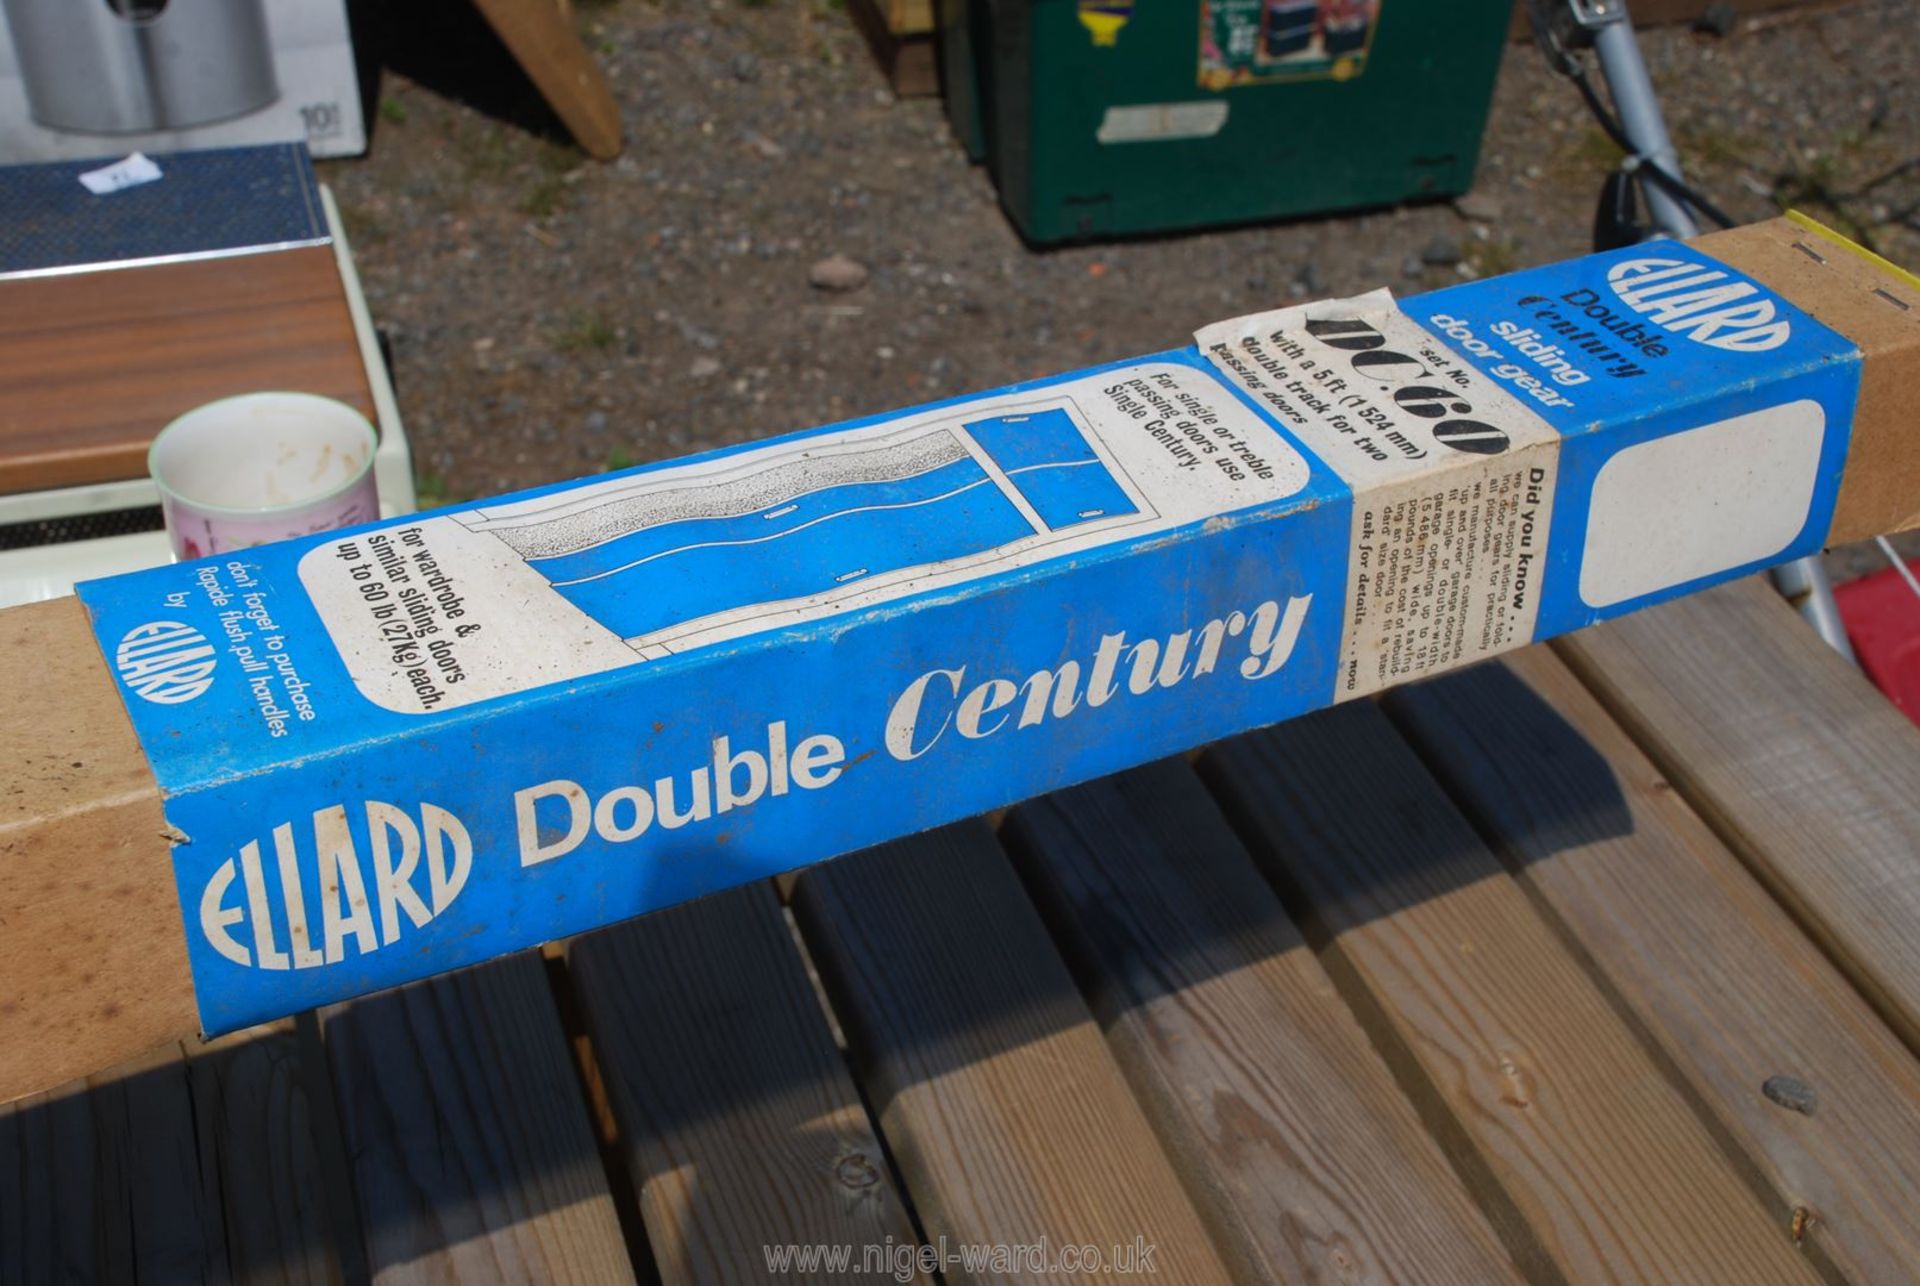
261 467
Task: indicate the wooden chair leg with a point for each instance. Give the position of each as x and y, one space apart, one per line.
541 37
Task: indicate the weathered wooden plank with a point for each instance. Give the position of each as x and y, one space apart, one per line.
1798 763
1302 1154
1719 974
1010 1121
1503 1039
175 1167
473 1156
740 1124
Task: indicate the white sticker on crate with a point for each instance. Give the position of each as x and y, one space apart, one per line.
1160 122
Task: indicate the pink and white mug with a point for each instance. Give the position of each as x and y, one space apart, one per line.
261 467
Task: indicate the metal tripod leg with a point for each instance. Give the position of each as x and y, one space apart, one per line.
1633 97
1804 583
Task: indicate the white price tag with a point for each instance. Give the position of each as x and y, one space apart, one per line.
130 172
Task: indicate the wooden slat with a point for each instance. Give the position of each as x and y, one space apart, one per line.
910 17
258 1101
93 365
473 1157
741 1127
1721 976
1010 1121
1305 1158
541 37
908 61
1501 1036
1799 764
171 1168
107 1181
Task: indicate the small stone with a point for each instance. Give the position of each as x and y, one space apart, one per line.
699 338
1413 266
596 422
704 368
1441 252
1310 279
837 273
745 67
1791 1093
1478 207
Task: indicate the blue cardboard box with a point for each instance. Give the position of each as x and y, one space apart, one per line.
394 750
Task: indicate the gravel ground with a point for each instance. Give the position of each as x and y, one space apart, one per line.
553 317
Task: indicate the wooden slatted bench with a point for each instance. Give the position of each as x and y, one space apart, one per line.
1599 962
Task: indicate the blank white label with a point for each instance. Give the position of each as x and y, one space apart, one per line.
1158 122
1701 502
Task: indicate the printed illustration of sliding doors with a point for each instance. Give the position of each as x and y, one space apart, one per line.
670 559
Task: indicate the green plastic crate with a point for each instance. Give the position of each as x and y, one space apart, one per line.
959 23
1106 117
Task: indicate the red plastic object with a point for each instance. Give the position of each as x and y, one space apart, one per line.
1882 614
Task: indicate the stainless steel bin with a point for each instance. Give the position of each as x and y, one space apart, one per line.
129 66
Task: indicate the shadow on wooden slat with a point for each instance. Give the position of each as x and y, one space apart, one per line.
1503 1034
40 1141
470 1140
1596 809
737 1118
1589 804
1285 1124
126 1153
180 1168
1728 987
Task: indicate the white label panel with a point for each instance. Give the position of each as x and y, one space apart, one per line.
1674 509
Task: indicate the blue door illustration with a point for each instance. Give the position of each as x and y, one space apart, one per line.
644 563
1053 466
